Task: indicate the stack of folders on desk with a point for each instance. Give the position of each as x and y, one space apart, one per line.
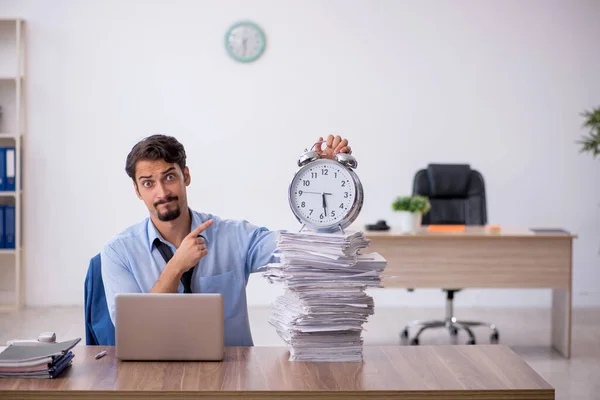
322 312
43 360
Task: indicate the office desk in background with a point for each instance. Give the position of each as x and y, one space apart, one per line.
478 258
401 372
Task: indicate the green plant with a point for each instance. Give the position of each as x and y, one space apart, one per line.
412 204
591 143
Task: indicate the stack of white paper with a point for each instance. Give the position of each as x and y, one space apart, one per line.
322 312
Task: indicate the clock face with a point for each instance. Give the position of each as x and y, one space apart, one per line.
323 194
245 41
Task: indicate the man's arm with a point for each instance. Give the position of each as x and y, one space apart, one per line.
168 281
260 246
259 242
116 276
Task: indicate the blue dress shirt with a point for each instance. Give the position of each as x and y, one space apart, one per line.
131 263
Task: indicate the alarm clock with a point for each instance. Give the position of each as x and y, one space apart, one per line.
325 195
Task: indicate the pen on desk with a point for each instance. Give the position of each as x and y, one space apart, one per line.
101 354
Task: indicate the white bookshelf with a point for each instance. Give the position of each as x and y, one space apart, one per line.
12 129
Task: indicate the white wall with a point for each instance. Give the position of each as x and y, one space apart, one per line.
499 85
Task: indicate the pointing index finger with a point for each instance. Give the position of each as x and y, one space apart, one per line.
201 228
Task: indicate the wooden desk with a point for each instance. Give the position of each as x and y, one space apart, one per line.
402 372
478 258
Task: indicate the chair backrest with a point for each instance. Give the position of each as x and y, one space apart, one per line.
456 193
99 329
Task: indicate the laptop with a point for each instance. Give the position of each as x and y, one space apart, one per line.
169 326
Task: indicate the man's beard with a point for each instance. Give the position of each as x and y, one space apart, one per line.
169 215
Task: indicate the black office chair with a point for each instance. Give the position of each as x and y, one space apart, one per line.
457 196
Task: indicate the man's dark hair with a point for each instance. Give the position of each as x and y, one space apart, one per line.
155 147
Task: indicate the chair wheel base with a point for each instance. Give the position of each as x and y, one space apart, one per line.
453 328
404 337
494 338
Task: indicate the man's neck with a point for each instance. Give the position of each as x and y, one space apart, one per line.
174 231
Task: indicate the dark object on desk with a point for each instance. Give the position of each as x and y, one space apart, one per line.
381 225
549 231
457 196
99 329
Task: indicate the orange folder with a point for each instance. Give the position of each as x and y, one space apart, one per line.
446 228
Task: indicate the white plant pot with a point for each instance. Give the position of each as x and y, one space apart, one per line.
409 222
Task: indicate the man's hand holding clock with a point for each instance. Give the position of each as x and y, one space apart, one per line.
333 146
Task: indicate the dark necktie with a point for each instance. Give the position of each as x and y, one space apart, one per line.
167 254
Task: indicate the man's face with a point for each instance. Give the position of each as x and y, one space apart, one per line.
161 186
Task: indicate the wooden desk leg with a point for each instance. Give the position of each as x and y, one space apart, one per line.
561 321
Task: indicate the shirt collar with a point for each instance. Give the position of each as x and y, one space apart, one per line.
197 219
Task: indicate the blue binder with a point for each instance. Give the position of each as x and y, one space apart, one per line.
2 168
9 227
10 159
2 245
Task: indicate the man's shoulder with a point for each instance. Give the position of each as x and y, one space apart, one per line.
232 228
224 224
134 233
220 223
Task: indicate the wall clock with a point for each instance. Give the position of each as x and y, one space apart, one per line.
245 41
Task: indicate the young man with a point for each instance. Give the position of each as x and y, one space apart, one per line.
223 253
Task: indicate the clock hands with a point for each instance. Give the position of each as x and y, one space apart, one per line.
322 193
